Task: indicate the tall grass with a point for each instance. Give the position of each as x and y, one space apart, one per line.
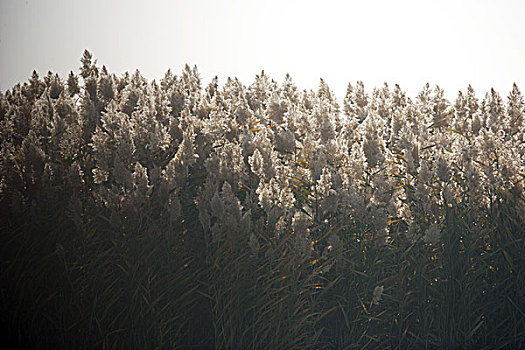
78 272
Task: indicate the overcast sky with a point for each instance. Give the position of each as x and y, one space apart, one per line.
448 43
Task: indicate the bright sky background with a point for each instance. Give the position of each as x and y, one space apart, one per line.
449 43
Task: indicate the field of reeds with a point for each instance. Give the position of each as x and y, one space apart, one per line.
164 214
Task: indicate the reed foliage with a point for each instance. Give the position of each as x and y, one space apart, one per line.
164 215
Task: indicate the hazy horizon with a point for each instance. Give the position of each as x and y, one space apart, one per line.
451 44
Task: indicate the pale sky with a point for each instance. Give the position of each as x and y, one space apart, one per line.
448 43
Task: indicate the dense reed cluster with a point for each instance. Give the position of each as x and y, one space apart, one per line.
167 215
